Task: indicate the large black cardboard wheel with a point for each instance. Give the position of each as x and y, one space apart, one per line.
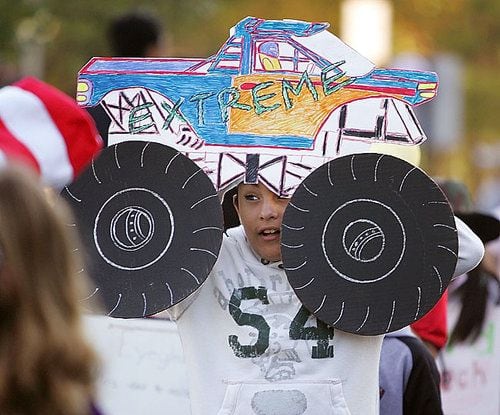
369 243
151 223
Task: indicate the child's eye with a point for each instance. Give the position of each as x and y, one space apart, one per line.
251 197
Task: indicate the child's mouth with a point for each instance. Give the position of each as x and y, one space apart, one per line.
270 234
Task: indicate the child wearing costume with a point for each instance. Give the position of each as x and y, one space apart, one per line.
252 348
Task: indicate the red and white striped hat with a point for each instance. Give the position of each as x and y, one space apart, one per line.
46 129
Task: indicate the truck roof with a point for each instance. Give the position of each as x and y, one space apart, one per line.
286 27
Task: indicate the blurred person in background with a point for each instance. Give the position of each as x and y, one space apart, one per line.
409 378
136 34
470 363
46 365
477 290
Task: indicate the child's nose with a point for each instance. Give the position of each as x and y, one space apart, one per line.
269 210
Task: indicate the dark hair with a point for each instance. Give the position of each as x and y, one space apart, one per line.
230 215
473 294
132 34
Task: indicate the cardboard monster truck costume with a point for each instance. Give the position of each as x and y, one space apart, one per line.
369 242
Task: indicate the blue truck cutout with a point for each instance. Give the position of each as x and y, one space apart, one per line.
281 96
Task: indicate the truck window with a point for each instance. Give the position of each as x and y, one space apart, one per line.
229 56
283 57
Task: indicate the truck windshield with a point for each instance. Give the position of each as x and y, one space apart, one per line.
331 48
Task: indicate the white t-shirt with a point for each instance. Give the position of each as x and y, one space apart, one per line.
251 347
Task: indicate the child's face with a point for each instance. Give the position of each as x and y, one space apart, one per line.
261 213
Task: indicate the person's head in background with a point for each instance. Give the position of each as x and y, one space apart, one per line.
260 211
46 365
136 34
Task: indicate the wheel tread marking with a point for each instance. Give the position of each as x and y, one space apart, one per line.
329 174
306 284
170 292
309 190
145 304
440 280
444 226
300 228
190 177
208 228
203 250
365 320
142 154
321 305
392 315
404 178
202 200
448 249
376 166
292 246
191 274
94 173
297 267
116 157
352 168
418 302
170 162
298 208
72 195
340 315
116 305
91 295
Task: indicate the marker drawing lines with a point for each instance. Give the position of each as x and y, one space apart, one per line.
298 208
309 190
94 173
292 228
404 178
72 195
116 305
190 177
91 295
191 274
440 280
449 250
329 174
392 316
418 302
203 250
437 225
208 228
170 162
297 267
366 318
116 157
142 153
145 305
376 167
292 246
321 305
340 315
202 200
171 293
352 168
305 285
